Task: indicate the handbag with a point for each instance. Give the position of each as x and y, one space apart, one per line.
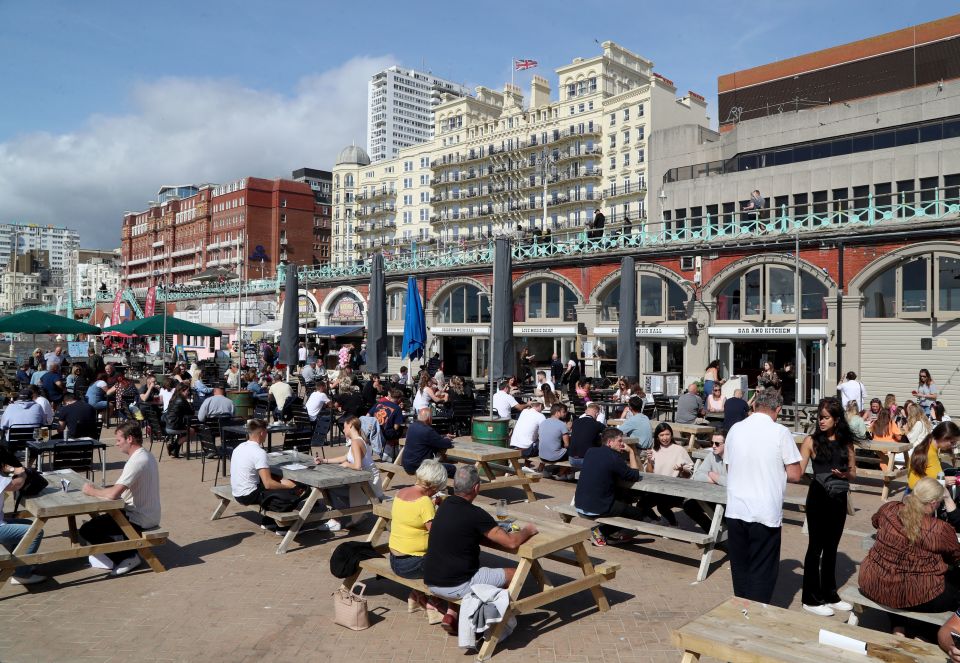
33 484
835 486
350 608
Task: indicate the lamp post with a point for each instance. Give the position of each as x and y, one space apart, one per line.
798 375
547 165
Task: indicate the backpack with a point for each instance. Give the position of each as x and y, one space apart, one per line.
33 484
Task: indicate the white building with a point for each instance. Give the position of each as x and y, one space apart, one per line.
481 172
400 106
61 244
94 269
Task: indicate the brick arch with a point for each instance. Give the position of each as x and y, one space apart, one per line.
453 284
720 278
613 278
547 275
323 312
894 258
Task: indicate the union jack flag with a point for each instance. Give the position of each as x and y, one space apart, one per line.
520 65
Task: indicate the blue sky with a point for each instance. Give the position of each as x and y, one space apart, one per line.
104 101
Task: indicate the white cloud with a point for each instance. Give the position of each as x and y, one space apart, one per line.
181 131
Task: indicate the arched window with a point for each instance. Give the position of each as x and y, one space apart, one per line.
920 287
465 305
348 180
545 300
346 309
766 292
658 299
396 305
336 181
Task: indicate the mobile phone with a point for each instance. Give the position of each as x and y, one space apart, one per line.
956 639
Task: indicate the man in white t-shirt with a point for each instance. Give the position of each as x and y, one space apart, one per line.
317 401
301 355
542 380
504 403
279 392
251 481
852 389
526 432
139 487
761 456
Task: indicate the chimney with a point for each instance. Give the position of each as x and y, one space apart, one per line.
539 92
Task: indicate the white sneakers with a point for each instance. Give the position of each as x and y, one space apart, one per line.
841 605
332 525
127 565
32 579
101 562
822 610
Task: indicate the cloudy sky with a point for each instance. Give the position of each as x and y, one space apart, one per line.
105 101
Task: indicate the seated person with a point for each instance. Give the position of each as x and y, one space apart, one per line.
598 493
23 412
76 418
388 414
504 404
525 434
716 400
359 456
216 406
554 437
857 424
139 488
925 460
252 483
317 400
735 410
638 424
372 392
412 512
424 442
946 640
541 381
349 404
12 531
669 460
44 404
909 566
279 392
711 470
452 563
585 434
689 406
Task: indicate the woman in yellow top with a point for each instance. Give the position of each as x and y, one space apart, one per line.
925 461
411 516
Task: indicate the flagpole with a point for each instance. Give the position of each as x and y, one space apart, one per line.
513 69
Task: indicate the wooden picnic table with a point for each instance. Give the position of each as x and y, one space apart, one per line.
320 479
692 430
890 449
482 456
53 502
559 542
742 631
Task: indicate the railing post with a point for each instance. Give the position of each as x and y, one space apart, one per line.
871 210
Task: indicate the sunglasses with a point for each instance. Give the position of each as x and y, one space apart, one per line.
717 444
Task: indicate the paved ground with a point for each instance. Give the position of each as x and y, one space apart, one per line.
228 597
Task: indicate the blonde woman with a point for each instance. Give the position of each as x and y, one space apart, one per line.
918 425
359 456
909 566
857 424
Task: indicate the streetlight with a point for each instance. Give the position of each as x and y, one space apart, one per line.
547 166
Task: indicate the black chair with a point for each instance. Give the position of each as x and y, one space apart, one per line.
461 411
298 439
210 450
154 426
261 411
75 455
299 416
665 406
322 427
17 438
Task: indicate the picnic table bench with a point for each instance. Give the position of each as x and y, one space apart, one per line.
690 432
559 542
851 594
300 468
742 631
484 457
53 502
890 449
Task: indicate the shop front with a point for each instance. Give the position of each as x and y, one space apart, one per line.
744 348
465 349
543 341
661 350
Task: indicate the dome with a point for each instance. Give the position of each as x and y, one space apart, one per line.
353 154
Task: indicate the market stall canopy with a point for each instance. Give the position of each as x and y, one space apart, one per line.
154 326
40 322
272 327
335 330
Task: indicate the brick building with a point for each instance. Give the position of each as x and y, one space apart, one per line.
252 222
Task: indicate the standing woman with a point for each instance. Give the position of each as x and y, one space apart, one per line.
711 376
926 392
769 376
830 449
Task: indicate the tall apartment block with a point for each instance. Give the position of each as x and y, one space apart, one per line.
400 109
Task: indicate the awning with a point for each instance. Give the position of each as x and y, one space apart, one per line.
335 330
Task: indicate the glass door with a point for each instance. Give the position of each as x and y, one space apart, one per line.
481 354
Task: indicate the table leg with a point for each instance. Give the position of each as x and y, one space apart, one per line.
120 518
298 523
23 546
517 468
103 467
484 468
690 657
537 571
72 525
519 577
583 561
379 528
716 525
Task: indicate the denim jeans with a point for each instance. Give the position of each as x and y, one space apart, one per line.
98 405
11 531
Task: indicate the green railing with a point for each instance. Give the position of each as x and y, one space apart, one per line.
893 210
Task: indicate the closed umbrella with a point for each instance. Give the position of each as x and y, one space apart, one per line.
289 336
377 319
414 323
627 361
503 361
41 322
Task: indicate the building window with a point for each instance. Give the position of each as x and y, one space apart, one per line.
465 305
545 300
920 287
767 293
396 305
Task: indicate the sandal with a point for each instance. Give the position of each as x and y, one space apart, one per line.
597 537
449 622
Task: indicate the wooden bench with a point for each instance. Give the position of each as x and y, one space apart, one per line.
568 512
225 495
851 594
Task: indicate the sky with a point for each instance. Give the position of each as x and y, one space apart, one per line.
102 101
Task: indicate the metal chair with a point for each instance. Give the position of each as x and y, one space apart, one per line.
74 455
298 439
209 449
154 426
17 438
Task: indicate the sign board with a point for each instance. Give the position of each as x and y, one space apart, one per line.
78 349
459 331
766 331
676 331
544 331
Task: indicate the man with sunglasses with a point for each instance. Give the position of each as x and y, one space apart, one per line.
711 470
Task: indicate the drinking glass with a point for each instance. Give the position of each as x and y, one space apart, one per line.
502 510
